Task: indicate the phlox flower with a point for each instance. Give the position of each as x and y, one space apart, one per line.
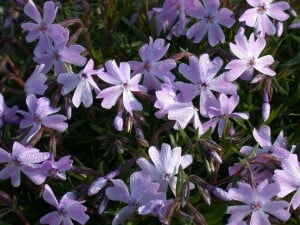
35 84
210 17
258 16
44 27
57 54
201 72
248 52
166 165
67 209
221 110
184 113
123 84
57 169
289 179
41 114
142 191
257 202
153 69
22 159
7 115
172 16
83 84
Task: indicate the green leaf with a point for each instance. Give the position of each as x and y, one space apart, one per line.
180 180
2 222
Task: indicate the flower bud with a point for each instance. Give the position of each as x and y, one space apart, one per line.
266 108
118 123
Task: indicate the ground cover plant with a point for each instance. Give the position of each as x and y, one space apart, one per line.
150 112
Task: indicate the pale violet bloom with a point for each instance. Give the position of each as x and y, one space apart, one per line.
201 72
210 20
222 109
172 17
123 84
166 165
248 52
154 71
142 191
82 82
57 54
57 169
22 159
258 16
35 84
7 115
41 114
44 27
184 113
67 209
258 202
289 179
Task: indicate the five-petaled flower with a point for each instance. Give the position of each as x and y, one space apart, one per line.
22 159
258 202
83 84
166 165
258 16
67 209
41 114
124 85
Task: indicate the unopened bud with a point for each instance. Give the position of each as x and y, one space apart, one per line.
279 28
221 194
118 123
266 108
103 205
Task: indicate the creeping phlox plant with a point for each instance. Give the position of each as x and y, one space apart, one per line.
163 117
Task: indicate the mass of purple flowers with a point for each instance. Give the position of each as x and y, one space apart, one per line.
197 94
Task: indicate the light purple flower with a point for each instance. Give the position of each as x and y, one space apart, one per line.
41 114
166 165
57 54
223 108
7 115
184 113
295 25
142 191
67 209
258 16
35 84
289 179
57 169
83 84
201 72
258 203
22 159
123 84
210 18
154 70
44 27
248 52
172 16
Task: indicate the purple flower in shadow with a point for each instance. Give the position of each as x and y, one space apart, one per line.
57 54
142 191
